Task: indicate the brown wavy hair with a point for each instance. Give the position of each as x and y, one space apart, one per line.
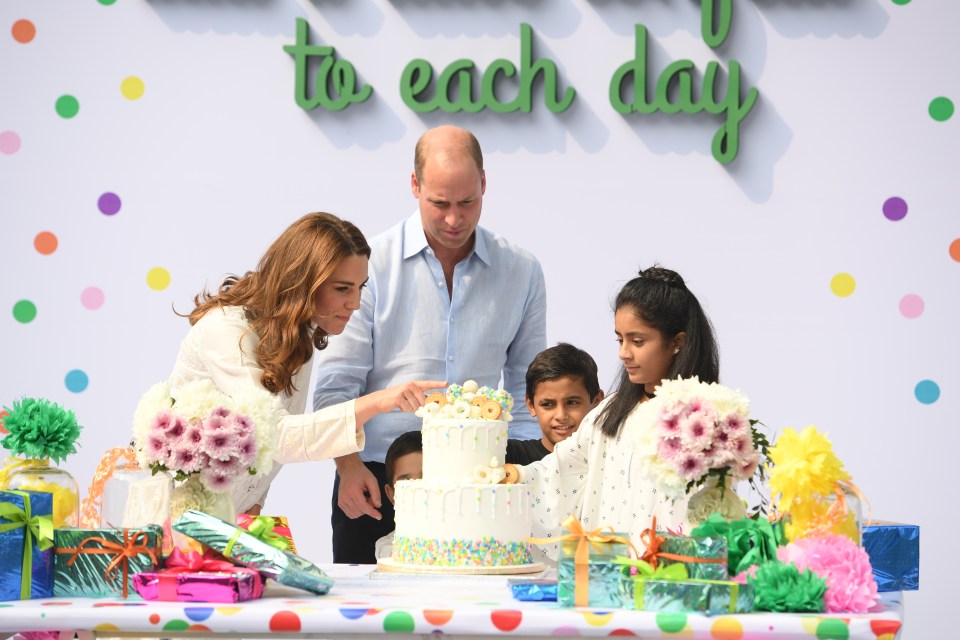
278 296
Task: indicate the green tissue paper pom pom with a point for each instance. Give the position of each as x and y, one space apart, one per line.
781 587
40 429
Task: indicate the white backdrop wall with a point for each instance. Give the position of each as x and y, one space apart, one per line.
215 159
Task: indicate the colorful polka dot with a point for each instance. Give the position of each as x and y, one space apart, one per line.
927 391
132 88
895 209
885 629
23 31
176 625
158 278
197 627
726 628
67 106
437 617
285 621
106 3
941 109
45 242
9 143
198 614
623 633
108 203
106 626
832 629
843 285
229 611
671 622
955 250
565 632
92 298
597 618
76 381
398 622
911 306
506 620
24 311
154 618
352 614
901 2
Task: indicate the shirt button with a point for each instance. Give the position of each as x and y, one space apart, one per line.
451 320
450 358
439 284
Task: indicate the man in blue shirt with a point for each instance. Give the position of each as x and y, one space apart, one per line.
446 300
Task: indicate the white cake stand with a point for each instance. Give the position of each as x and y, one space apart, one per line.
387 564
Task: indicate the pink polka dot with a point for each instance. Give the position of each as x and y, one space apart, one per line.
911 306
91 298
9 143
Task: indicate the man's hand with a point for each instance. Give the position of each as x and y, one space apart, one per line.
359 490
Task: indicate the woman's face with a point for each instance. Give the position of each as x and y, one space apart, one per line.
643 350
338 297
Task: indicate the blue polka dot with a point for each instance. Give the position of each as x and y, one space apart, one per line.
353 614
77 381
927 391
198 614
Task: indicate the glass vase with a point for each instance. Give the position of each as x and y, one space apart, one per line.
715 497
191 494
40 475
847 513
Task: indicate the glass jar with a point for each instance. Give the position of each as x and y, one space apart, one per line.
847 513
40 475
191 494
135 497
714 497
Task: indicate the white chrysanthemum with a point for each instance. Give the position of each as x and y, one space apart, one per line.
265 410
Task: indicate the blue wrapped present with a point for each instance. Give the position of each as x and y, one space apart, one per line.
894 551
26 545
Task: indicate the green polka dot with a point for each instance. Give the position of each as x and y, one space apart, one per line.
941 109
671 622
832 629
107 3
67 106
24 311
176 625
398 622
901 2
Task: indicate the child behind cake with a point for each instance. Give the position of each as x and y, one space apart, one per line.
562 387
663 334
404 461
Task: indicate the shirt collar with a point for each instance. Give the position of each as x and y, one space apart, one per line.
415 240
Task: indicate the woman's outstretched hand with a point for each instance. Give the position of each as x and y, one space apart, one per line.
408 396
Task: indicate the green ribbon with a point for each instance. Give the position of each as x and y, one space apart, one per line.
261 528
39 528
673 572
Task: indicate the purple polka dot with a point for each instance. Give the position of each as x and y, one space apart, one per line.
91 298
895 209
911 306
109 203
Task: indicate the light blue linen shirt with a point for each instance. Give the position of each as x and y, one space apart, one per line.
408 328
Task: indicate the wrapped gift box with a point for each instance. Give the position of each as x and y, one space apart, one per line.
894 551
195 577
683 596
601 574
533 589
280 527
17 508
701 547
243 548
101 563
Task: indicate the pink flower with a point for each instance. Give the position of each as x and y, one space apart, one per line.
690 466
176 429
842 563
740 447
216 481
220 443
735 425
746 468
232 466
668 426
185 458
669 449
247 450
220 412
244 424
162 421
157 448
192 436
697 431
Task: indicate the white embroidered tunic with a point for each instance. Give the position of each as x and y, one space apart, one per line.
596 478
221 347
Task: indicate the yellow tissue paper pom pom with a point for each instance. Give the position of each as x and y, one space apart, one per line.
65 501
804 465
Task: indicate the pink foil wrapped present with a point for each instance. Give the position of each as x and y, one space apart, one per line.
192 577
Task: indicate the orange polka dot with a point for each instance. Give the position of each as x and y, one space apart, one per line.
45 243
23 31
437 617
726 628
955 249
154 618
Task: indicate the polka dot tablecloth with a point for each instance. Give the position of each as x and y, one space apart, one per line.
396 604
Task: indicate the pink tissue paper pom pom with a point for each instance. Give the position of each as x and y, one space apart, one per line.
750 571
845 566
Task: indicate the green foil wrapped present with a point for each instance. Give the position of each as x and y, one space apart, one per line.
704 556
244 548
684 596
588 573
101 563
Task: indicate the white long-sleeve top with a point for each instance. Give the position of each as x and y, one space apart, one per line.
596 478
221 347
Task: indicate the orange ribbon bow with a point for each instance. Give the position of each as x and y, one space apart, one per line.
121 553
581 559
652 540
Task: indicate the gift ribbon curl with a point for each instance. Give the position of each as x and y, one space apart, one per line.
581 559
261 528
121 553
39 528
652 540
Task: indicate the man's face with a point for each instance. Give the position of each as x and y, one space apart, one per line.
450 193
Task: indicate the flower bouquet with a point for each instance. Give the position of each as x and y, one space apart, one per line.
207 439
702 435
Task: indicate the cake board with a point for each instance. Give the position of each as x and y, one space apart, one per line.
388 565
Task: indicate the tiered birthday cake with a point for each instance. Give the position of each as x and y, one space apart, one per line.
465 515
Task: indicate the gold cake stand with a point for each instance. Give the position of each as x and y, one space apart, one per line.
389 565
